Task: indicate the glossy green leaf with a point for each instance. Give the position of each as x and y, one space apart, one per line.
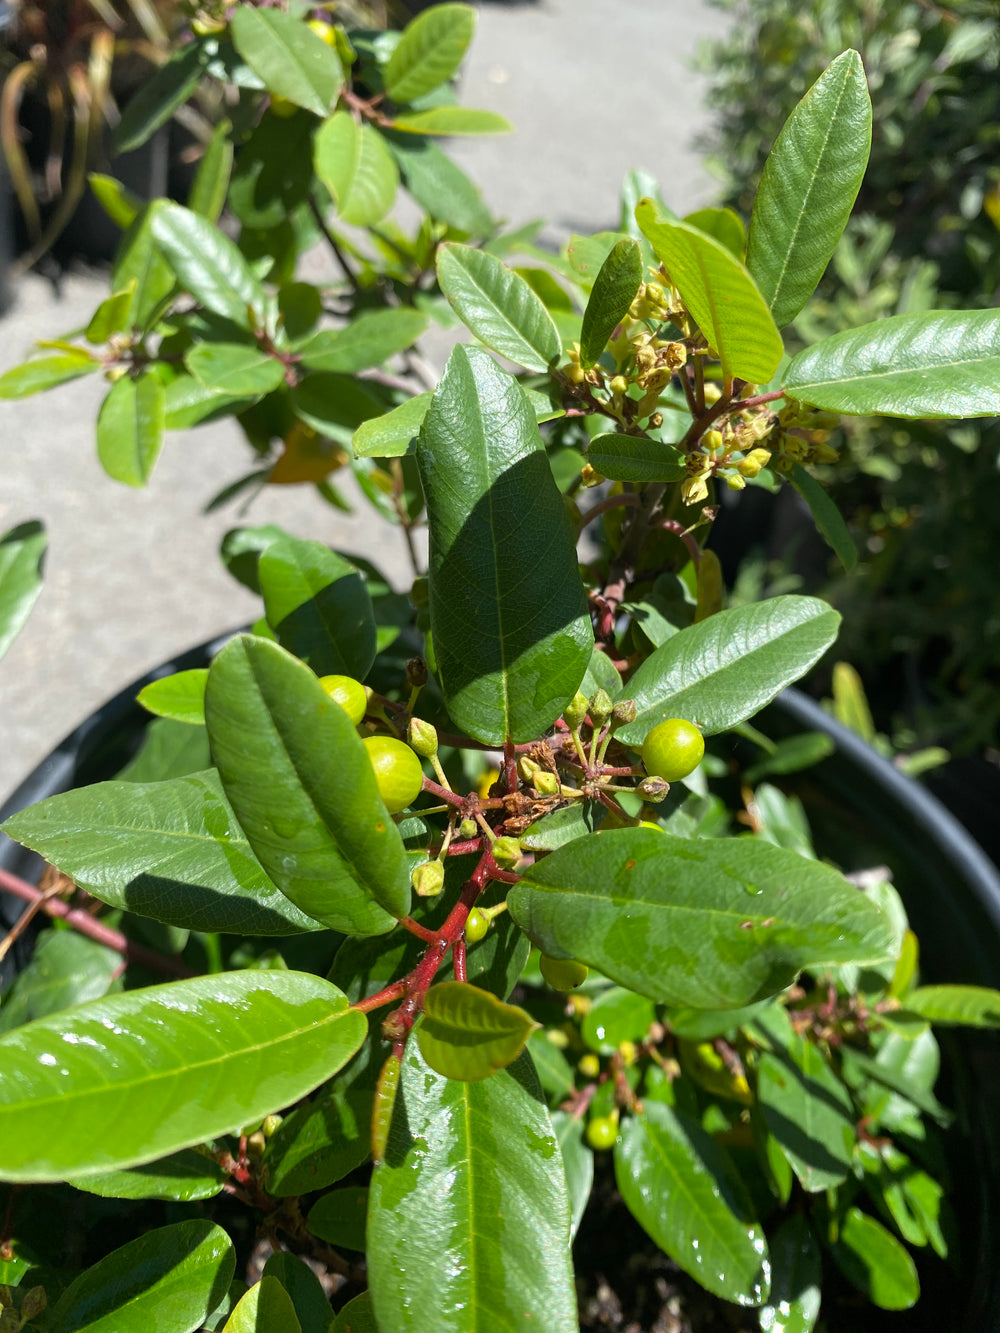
292 61
208 264
391 435
22 556
614 290
357 1316
808 1110
180 696
187 402
169 850
453 120
939 363
140 260
110 316
166 1281
796 1271
616 1015
724 669
703 1024
182 1177
720 294
811 179
723 225
874 1260
498 306
553 1069
234 369
684 1191
65 969
266 1308
635 458
157 98
211 182
334 405
578 1163
355 165
45 372
512 637
319 606
300 781
465 1235
469 1034
429 52
130 428
169 749
439 185
369 340
562 826
706 923
959 1006
308 1297
164 1068
826 515
600 675
339 1216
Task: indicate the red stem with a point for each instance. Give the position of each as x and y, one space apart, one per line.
458 958
381 997
611 502
415 928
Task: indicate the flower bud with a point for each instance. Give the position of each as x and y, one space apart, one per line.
422 737
735 482
623 713
619 385
653 789
270 1125
506 852
427 879
546 784
656 421
575 373
33 1302
600 708
712 394
754 461
255 1145
527 768
416 673
575 711
468 828
589 1065
712 441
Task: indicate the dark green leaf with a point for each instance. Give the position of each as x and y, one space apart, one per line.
390 435
22 556
65 969
469 1034
293 62
586 254
724 669
339 1217
616 1015
439 186
266 1308
453 120
130 428
940 363
553 1069
45 372
300 781
873 1259
187 402
164 1068
169 749
464 1233
180 696
208 264
578 1163
706 923
791 755
354 163
242 548
178 1273
156 100
498 306
827 516
601 675
169 850
357 1316
796 1271
684 1191
635 458
512 636
234 369
369 340
811 179
183 1177
334 405
614 290
308 1297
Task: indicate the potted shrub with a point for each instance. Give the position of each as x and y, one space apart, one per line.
476 887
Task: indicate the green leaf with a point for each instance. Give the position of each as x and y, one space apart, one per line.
139 260
796 1271
452 120
211 182
429 52
45 372
613 292
684 1191
164 1068
308 1297
512 636
438 185
390 435
600 675
498 306
874 1260
293 62
578 1163
956 1006
177 1273
724 669
156 99
939 363
469 1034
267 1306
436 1261
22 556
357 1316
723 225
811 179
169 850
553 1069
180 696
182 1177
207 263
635 458
720 294
826 515
355 165
562 826
111 316
234 369
118 202
130 428
339 1217
334 405
615 1016
319 606
300 781
169 749
586 254
706 923
369 340
65 969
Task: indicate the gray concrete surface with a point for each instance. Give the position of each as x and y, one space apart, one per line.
593 87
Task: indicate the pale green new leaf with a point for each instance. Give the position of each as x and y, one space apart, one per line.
355 165
46 372
293 62
130 427
452 120
498 306
811 179
22 556
266 1308
958 1006
390 435
429 52
180 696
468 1033
875 1262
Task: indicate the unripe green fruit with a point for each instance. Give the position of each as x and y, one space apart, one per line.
602 1131
506 853
589 1065
427 879
477 923
398 774
347 692
673 749
575 711
562 973
422 737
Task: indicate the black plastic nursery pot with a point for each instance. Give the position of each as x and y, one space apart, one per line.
863 813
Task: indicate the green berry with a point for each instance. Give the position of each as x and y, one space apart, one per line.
602 1131
673 749
347 692
589 1065
477 923
398 774
562 973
